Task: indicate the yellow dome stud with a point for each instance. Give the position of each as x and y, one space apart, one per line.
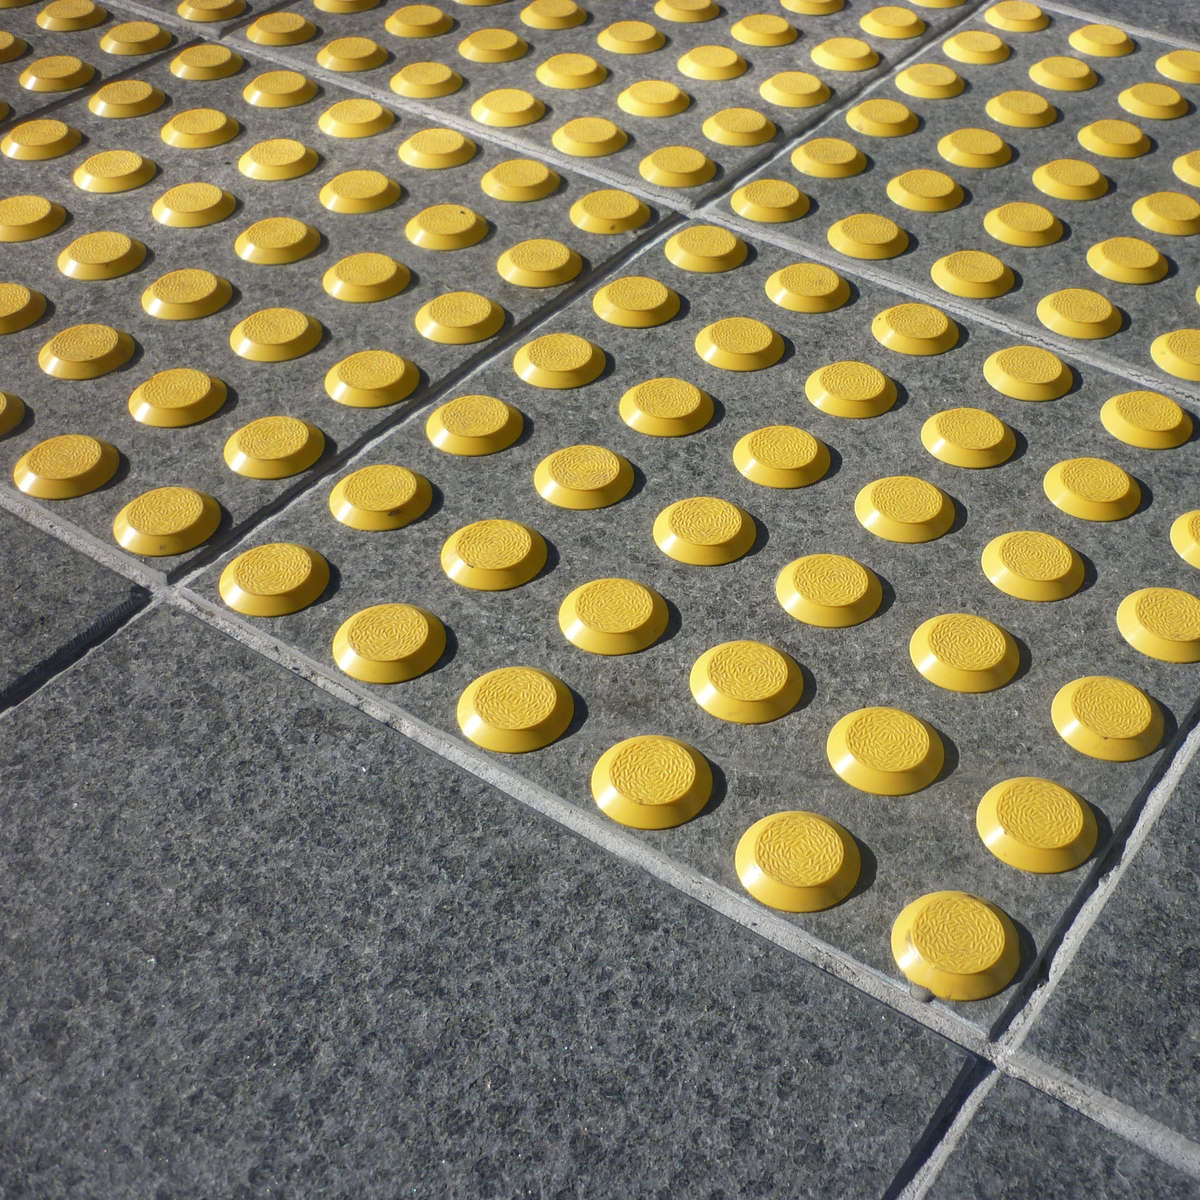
1181 65
1029 565
359 192
205 61
539 263
1062 73
446 227
280 29
589 137
747 683
956 946
365 278
1022 109
56 73
380 497
653 98
459 318
1162 623
1016 16
135 37
70 16
930 81
274 580
583 477
472 426
763 29
973 147
711 63
769 201
844 54
38 140
1157 101
12 412
436 149
797 862
706 249
105 255
352 54
63 467
20 307
166 521
973 274
1023 224
828 158
355 118
389 643
794 89
210 10
505 108
914 329
112 171
519 180
608 211
186 295
1070 179
1168 212
704 531
553 14
892 21
1036 825
924 190
968 437
492 46
273 448
739 344
1127 260
571 72
275 335
1092 489
25 218
1148 420
176 398
559 360
278 158
85 351
515 710
885 751
418 21
903 508
1107 718
1103 41
192 205
199 129
279 89
651 782
687 12
371 379
636 302
830 591
1178 353
808 288
1185 537
867 236
425 81
850 389
677 167
1114 139
1028 373
630 37
613 616
976 46
962 652
738 127
882 118
666 407
493 555
781 456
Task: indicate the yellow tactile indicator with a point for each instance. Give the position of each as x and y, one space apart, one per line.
276 159
177 397
1157 101
1034 566
389 643
968 437
459 318
813 8
210 10
914 329
973 147
11 46
20 306
630 37
425 80
1162 623
276 240
493 555
1036 825
739 344
1028 373
1020 223
930 81
1114 139
886 751
844 54
446 227
651 782
1103 41
807 287
274 580
798 862
781 456
515 710
519 180
25 218
70 16
199 129
492 46
1061 73
191 205
583 477
850 389
1070 179
135 37
880 117
976 46
12 412
867 235
1107 718
56 73
746 682
962 652
205 62
1181 65
553 14
686 11
738 127
704 531
37 140
279 89
1079 313
508 108
613 616
111 171
1168 212
350 54
763 29
706 249
794 89
1022 110
1185 537
1178 353
273 448
609 211
589 137
365 277
653 98
974 274
903 508
1092 489
280 29
571 72
85 352
1148 420
559 360
380 497
635 302
418 21
828 158
891 21
474 425
1016 16
709 63
125 98
166 520
1127 260
830 591
956 946
275 335
359 192
186 295
66 466
371 379
924 190
356 118
666 407
539 263
435 149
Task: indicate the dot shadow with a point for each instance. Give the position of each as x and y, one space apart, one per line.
867 871
950 762
720 789
579 714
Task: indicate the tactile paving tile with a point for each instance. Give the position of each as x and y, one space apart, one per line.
192 456
204 18
910 844
645 134
1150 309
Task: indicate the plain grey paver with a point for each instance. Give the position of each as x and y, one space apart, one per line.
56 600
256 943
1124 1017
1022 1143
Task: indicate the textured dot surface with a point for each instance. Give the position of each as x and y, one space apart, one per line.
959 934
1039 813
967 643
799 850
652 770
614 605
1169 613
705 521
1037 556
515 698
887 739
1111 708
493 545
747 671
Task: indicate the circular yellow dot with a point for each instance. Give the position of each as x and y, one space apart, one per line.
199 128
711 63
274 580
1158 101
976 46
677 167
653 98
1020 223
868 236
25 218
781 456
56 73
666 407
1063 74
850 389
1032 566
35 141
493 555
635 302
459 318
190 205
1070 179
763 29
706 249
794 89
972 147
389 643
1107 718
446 227
771 201
277 158
12 412
1114 139
492 46
1185 537
519 180
651 782
125 98
11 46
204 62
85 352
279 89
797 862
1092 489
1104 41
539 263
166 520
273 448
956 946
1178 353
704 531
186 295
924 190
474 425
436 149
559 360
882 118
1079 313
968 437
830 591
1168 212
112 171
930 81
366 277
738 127
357 118
19 307
1028 373
359 192
844 54
1016 16
1162 623
1127 260
583 477
613 616
275 335
508 108
135 37
1023 110
553 14
609 211
918 329
380 497
630 37
1180 65
276 240
371 379
903 508
589 137
807 287
748 683
352 54
886 751
1036 825
280 29
1187 167
962 652
973 274
210 10
418 21
69 16
1148 420
739 344
891 21
63 467
177 397
686 11
814 8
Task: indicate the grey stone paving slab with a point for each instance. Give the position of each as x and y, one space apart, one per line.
645 133
257 944
1150 309
1022 1143
916 844
1123 1018
55 600
192 456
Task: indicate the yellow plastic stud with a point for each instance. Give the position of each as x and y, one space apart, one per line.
571 72
891 21
962 652
165 521
808 288
1162 623
276 240
275 335
205 62
973 274
492 46
1028 565
1070 179
446 227
280 29
359 192
781 456
1127 260
1103 41
916 329
70 16
351 54
459 318
739 344
436 149
210 10
1157 101
813 8
609 211
704 531
1178 353
830 591
1114 139
418 21
868 236
583 477
794 89
186 295
1022 110
38 140
613 616
738 127
651 782
903 508
559 360
356 118
539 263
191 205
968 437
1063 74
85 352
763 29
1092 489
1107 718
1028 373
11 46
1168 212
748 683
1036 825
711 63
177 397
112 171
274 580
666 407
976 46
630 37
474 425
797 862
279 89
125 98
930 81
1016 16
635 302
686 12
553 14
26 218
63 467
135 37
519 180
1185 537
505 108
677 167
425 80
706 249
880 117
380 497
844 54
365 277
972 147
1020 223
653 98
1181 65
493 555
1148 420
20 306
850 389
1079 313
273 448
886 751
12 412
924 190
371 379
389 643
589 137
277 158
56 73
956 946
1187 167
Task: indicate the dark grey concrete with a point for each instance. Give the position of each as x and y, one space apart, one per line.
257 944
